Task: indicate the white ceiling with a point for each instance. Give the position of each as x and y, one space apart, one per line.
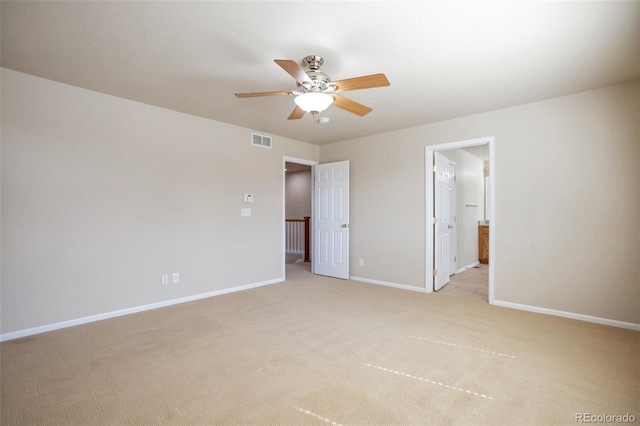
443 59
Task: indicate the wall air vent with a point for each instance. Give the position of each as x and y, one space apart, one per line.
260 140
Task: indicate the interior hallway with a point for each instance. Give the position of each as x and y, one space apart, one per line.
470 284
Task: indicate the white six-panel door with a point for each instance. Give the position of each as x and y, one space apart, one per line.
443 217
331 220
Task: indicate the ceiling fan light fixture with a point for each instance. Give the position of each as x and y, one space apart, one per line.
313 103
316 91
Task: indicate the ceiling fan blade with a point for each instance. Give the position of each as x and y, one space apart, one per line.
294 70
296 114
259 94
351 106
365 82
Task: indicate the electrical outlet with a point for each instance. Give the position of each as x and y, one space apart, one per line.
165 279
176 277
361 262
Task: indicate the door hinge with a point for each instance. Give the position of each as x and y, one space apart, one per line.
435 220
435 168
455 259
435 272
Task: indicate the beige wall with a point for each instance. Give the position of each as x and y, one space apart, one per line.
567 197
298 194
101 196
469 191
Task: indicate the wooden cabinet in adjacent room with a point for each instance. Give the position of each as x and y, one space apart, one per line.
483 243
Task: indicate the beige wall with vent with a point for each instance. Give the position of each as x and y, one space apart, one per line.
101 196
567 197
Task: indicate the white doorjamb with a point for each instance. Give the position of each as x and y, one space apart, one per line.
286 160
430 149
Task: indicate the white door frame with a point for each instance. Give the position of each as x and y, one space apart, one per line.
430 149
454 230
286 160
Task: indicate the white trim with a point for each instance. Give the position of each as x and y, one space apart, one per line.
429 150
469 266
455 213
492 221
387 284
571 315
119 313
286 159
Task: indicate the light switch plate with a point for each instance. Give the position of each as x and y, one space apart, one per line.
245 211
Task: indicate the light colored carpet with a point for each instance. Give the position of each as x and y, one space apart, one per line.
317 351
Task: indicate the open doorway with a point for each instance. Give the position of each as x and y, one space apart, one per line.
473 206
297 209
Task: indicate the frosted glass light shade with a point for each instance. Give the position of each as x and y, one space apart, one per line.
313 102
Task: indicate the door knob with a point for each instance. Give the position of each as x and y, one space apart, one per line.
344 225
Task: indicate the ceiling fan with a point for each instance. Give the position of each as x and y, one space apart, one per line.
316 92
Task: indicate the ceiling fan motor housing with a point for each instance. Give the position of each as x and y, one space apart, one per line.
320 82
313 62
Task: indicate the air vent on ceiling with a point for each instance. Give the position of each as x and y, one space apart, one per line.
260 140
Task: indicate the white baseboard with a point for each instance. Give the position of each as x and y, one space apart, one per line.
387 284
572 315
107 315
469 266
